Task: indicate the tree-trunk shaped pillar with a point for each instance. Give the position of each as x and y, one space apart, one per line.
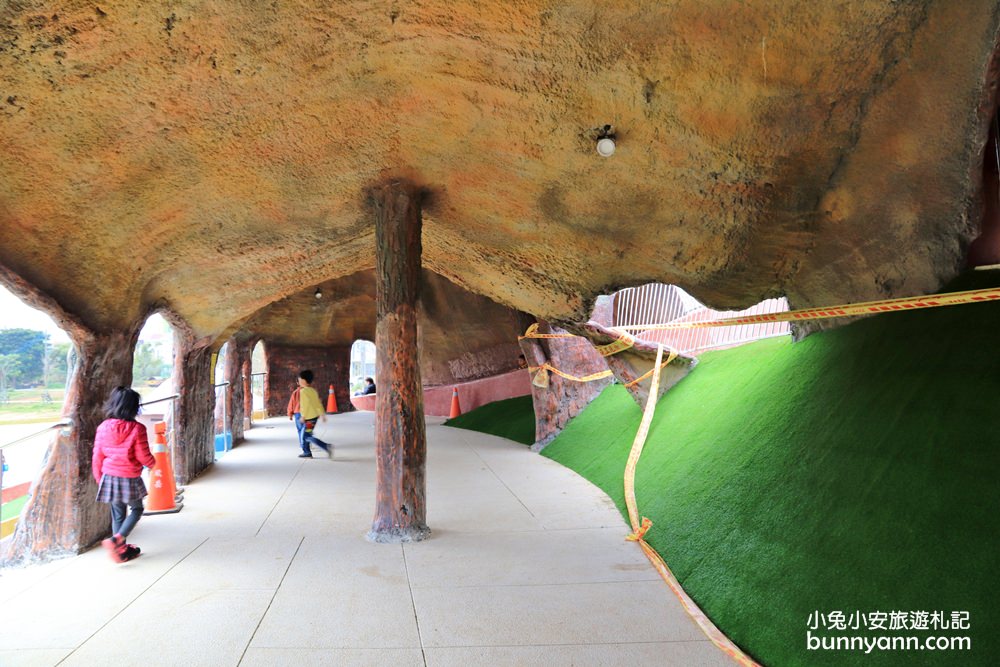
194 410
237 360
63 516
400 437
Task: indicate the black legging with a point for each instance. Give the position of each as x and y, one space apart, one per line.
120 525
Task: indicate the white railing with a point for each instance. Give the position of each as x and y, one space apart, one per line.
19 466
656 303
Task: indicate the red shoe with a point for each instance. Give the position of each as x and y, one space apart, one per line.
116 547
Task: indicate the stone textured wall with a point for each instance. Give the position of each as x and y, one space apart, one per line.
563 399
194 449
330 365
237 358
985 250
633 363
247 378
465 336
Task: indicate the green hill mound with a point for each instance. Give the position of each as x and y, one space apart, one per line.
853 472
512 418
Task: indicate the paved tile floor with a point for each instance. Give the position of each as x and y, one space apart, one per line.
268 565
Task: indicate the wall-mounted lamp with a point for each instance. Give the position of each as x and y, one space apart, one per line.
605 142
319 293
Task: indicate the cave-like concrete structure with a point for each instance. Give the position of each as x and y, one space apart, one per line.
215 162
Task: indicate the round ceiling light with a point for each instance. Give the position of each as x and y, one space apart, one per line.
606 147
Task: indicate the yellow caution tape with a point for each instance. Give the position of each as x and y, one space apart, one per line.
641 533
624 341
639 529
645 375
532 332
548 367
640 439
847 310
540 374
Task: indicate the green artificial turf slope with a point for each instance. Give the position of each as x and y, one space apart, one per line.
853 471
512 418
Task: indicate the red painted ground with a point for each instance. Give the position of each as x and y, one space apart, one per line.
13 492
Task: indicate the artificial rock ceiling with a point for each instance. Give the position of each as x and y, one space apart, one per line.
214 156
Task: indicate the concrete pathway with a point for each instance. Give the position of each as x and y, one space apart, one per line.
267 565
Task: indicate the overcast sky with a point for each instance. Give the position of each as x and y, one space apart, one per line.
15 315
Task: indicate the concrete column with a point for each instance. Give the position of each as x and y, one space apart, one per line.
62 516
400 439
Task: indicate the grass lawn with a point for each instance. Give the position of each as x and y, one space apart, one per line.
8 512
14 507
853 471
25 406
513 418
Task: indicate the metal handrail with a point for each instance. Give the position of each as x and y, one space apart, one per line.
225 416
69 422
160 400
636 308
61 424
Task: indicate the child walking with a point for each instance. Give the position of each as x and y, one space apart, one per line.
310 410
295 414
121 449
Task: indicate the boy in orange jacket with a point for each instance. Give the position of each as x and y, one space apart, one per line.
294 413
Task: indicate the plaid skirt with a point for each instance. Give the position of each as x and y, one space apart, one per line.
120 489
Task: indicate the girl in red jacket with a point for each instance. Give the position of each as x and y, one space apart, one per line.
121 449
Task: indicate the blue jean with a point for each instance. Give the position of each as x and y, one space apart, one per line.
308 437
300 428
120 525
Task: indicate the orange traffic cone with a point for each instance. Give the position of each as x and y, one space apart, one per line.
163 495
161 439
331 402
456 409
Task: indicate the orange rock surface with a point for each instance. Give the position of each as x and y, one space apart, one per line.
214 158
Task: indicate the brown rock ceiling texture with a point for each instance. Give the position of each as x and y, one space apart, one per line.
214 156
466 336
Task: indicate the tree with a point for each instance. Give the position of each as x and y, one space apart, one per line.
58 355
9 369
28 347
71 361
146 363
